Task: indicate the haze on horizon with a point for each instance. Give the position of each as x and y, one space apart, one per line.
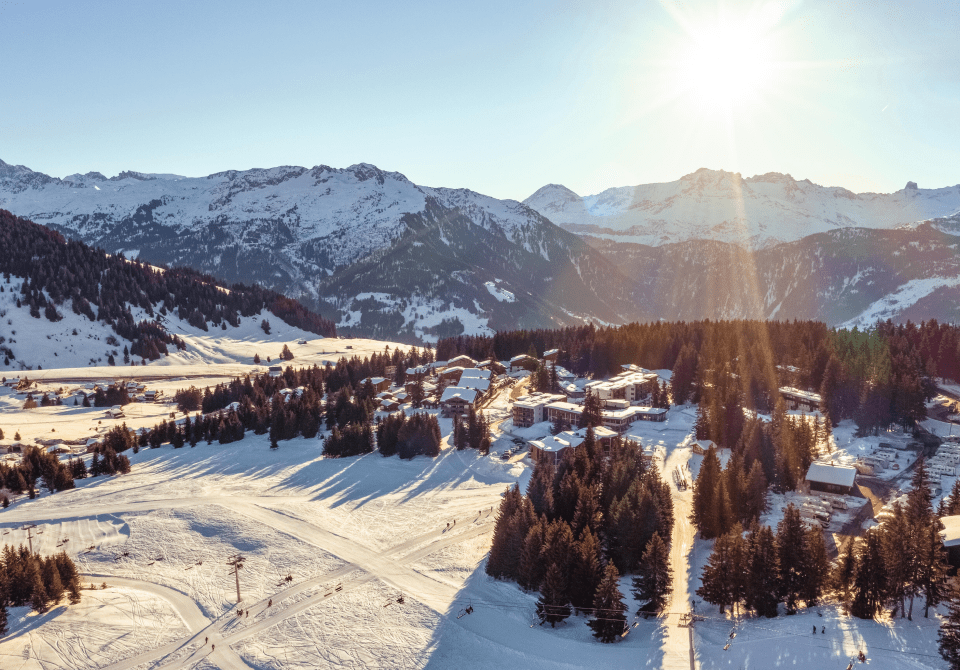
501 99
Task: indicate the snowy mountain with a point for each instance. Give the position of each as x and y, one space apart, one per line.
757 212
327 235
842 277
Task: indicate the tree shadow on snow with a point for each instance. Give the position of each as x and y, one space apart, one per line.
503 632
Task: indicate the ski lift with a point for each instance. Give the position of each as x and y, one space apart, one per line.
726 646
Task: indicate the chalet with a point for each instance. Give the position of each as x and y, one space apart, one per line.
456 400
379 383
419 370
563 374
390 371
831 478
462 361
523 362
653 452
603 436
115 412
389 405
480 385
800 400
951 539
451 374
476 372
531 409
702 446
275 370
550 449
573 392
551 355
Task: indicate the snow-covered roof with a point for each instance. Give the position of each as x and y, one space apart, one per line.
521 357
475 373
550 352
951 530
564 440
791 392
825 473
451 392
474 383
537 400
419 370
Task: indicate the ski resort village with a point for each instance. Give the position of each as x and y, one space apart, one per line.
664 496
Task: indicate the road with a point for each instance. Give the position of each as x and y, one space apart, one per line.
390 566
678 641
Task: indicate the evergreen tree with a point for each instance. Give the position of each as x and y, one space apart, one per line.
532 569
842 575
498 561
932 567
763 572
817 568
949 636
705 513
791 550
608 607
654 583
553 605
870 577
586 571
721 573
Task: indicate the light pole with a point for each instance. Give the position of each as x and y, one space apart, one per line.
29 528
236 562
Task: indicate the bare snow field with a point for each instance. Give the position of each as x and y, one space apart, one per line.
331 546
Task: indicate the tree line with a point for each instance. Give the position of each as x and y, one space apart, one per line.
581 524
877 376
31 579
886 569
55 270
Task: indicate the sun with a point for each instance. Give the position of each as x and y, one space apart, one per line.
726 64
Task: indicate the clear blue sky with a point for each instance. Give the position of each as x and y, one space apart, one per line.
499 97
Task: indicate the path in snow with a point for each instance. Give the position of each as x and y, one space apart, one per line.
390 566
677 641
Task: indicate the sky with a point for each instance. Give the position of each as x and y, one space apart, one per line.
498 97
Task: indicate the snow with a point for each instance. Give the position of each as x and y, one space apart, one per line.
501 294
831 474
353 534
892 304
713 204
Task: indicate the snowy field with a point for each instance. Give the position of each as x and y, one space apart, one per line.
330 546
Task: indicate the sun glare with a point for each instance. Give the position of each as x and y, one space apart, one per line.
726 64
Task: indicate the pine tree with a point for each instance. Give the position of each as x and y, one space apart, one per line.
949 636
51 580
933 567
532 569
654 583
553 605
498 564
791 550
608 607
705 516
842 575
38 593
870 577
763 572
586 571
817 568
720 576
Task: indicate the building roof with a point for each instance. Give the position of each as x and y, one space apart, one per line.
474 383
564 440
825 473
551 352
522 357
951 530
456 392
599 432
537 400
791 392
475 373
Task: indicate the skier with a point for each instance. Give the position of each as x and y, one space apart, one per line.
206 639
270 604
823 630
814 630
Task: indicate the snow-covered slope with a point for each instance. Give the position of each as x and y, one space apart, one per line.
716 205
299 230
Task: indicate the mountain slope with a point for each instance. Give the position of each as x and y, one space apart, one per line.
850 276
96 296
715 205
319 235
